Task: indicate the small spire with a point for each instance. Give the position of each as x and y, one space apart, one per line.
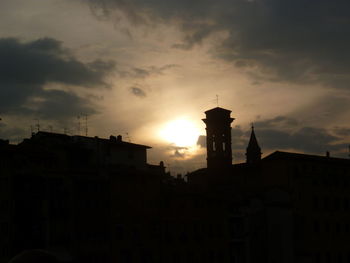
253 153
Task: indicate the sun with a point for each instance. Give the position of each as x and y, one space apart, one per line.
180 132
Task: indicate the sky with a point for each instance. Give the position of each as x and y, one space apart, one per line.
149 69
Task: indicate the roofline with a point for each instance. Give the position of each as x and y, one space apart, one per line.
120 143
218 108
304 155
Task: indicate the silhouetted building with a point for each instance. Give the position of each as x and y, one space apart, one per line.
218 127
61 192
98 200
253 153
286 207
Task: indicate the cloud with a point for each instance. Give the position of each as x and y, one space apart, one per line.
342 131
28 68
138 92
202 141
286 135
277 122
177 152
137 72
272 40
12 133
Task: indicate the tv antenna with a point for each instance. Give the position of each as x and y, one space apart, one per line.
86 124
50 128
168 164
79 124
128 137
217 100
37 125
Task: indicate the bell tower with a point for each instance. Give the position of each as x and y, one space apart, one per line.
219 152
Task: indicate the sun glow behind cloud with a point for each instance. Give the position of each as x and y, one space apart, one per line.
180 132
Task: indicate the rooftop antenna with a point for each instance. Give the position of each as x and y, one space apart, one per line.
86 124
37 125
50 128
65 131
217 100
128 137
168 164
79 124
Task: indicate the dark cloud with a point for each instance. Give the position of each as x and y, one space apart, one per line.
342 131
138 92
26 68
178 152
137 72
279 121
12 133
286 135
307 139
295 41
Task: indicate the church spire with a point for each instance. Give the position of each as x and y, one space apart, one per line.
253 153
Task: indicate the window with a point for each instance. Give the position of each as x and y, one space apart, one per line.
224 146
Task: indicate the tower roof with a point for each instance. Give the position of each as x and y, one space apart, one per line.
217 109
253 142
218 115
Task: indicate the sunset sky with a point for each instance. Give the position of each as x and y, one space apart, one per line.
148 69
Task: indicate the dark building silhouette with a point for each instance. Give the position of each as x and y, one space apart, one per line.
218 127
67 194
87 199
253 153
286 207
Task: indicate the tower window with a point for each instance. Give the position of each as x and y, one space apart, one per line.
224 146
214 146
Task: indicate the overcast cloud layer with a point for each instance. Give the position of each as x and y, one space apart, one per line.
296 41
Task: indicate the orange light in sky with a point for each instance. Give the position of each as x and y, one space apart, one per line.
181 132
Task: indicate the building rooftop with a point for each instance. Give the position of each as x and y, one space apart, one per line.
115 140
279 155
